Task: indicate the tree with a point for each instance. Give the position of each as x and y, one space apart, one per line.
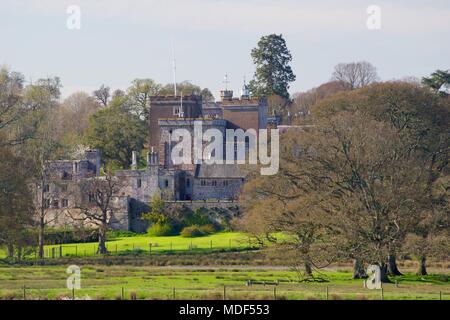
156 215
15 202
356 74
102 95
95 206
439 82
20 106
72 122
422 120
26 124
188 88
139 96
45 146
273 73
303 101
277 204
354 178
117 133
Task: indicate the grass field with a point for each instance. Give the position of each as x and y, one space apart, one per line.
127 245
117 282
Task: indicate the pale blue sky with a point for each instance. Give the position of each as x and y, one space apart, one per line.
123 40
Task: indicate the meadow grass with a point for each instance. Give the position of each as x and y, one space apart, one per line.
108 282
128 245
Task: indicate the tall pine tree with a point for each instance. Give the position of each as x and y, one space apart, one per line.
273 73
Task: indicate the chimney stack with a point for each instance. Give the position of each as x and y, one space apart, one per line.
134 160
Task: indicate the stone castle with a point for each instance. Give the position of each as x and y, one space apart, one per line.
193 185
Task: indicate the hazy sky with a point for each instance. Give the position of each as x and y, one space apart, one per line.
122 40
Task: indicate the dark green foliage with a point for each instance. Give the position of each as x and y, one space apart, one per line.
198 231
273 73
438 82
114 234
117 133
192 232
199 217
161 230
66 236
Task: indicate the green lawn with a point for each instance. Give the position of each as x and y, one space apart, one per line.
107 282
127 245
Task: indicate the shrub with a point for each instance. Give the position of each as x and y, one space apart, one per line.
199 217
160 230
208 228
113 234
67 236
192 232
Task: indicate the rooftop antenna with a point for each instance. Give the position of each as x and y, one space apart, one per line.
226 81
174 70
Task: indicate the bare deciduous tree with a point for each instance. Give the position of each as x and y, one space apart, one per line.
102 95
355 74
95 205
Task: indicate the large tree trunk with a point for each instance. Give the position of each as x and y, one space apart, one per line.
19 252
358 269
10 249
41 237
308 269
102 239
422 266
384 273
392 266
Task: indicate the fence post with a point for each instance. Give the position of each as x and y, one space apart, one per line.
60 251
327 292
440 295
122 294
173 293
211 245
73 293
24 293
382 292
76 251
224 292
275 293
150 247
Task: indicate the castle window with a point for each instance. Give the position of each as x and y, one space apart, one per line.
188 183
55 203
214 183
46 188
166 183
139 183
64 203
225 183
203 183
65 176
176 111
